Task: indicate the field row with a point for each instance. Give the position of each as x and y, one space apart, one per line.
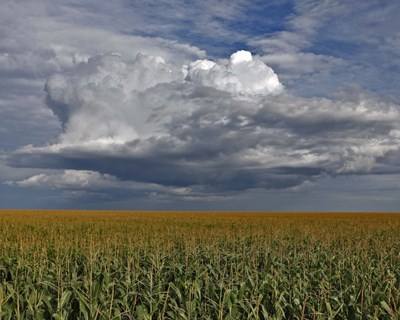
105 265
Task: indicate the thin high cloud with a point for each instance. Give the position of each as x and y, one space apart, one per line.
325 45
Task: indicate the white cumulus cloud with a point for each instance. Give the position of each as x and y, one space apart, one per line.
106 99
243 74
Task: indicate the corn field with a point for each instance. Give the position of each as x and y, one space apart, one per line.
152 265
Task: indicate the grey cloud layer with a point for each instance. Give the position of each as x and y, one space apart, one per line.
207 126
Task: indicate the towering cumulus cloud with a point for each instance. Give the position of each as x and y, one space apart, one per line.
105 99
99 101
207 126
242 75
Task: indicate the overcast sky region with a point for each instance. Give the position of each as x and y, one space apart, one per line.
200 105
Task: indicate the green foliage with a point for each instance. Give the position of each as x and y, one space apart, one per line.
160 266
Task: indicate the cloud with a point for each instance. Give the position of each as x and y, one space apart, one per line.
291 51
178 116
242 75
80 183
322 54
41 38
301 26
100 100
112 100
209 127
68 179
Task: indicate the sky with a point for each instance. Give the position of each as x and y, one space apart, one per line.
280 105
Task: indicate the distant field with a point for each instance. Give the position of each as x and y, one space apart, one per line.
171 265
